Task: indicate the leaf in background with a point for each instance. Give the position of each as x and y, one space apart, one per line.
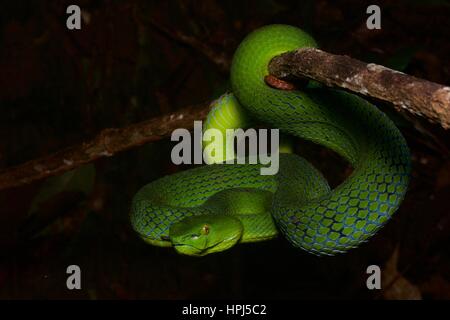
401 59
52 209
395 285
78 180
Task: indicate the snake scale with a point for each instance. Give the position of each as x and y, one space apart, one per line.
211 208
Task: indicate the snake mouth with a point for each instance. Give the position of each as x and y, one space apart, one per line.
191 250
207 247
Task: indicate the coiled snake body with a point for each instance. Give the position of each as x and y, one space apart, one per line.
211 208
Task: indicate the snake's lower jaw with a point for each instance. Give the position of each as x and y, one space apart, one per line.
190 250
158 243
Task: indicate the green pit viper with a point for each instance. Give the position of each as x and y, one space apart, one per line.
211 208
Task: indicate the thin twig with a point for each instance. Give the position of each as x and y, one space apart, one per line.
219 58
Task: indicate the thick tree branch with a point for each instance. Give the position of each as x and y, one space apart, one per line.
107 143
407 93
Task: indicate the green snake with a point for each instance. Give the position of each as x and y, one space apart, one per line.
213 207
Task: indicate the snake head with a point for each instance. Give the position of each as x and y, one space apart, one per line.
205 234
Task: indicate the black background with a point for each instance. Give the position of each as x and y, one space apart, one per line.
130 62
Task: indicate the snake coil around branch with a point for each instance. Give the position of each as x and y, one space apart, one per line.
211 208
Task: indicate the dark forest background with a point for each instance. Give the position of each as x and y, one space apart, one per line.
133 60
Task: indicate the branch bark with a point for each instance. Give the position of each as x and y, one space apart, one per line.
407 93
107 143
